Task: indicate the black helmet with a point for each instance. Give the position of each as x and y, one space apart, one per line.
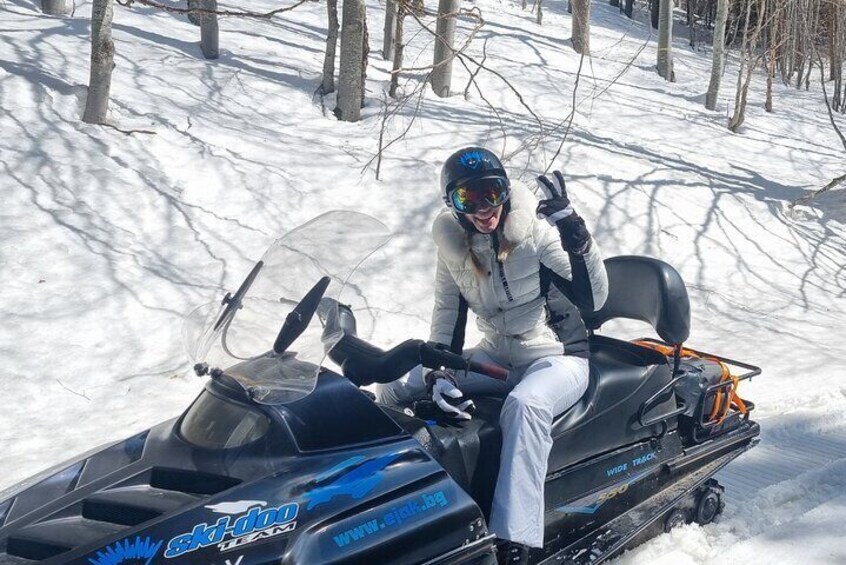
467 165
470 165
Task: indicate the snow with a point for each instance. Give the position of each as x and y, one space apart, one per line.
108 239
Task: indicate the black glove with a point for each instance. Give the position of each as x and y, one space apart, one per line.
447 397
557 210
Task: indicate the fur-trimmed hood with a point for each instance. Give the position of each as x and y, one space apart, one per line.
451 238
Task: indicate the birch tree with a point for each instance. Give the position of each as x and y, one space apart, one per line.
351 68
718 55
398 51
102 62
389 37
665 40
581 26
327 85
445 30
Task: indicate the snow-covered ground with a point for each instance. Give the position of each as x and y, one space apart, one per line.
107 240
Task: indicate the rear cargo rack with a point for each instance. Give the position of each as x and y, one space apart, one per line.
751 370
702 419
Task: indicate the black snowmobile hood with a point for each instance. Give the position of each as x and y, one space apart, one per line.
326 464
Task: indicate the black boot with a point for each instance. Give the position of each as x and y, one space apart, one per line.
512 553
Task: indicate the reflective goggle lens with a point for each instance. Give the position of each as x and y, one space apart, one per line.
468 199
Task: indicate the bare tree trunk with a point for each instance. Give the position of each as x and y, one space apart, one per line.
773 41
748 62
691 22
629 11
102 62
389 35
718 55
445 28
614 3
665 40
53 7
350 84
327 85
655 13
365 53
540 12
395 70
209 31
581 26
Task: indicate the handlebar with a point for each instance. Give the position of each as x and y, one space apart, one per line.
435 356
364 364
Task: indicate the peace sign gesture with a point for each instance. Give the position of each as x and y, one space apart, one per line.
557 210
556 206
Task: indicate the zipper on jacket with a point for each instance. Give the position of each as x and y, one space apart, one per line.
501 268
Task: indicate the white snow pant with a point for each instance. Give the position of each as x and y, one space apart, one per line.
545 389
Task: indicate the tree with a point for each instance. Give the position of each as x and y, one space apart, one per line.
665 40
351 71
581 26
719 54
209 31
327 85
102 62
773 37
390 35
53 7
749 58
398 51
445 30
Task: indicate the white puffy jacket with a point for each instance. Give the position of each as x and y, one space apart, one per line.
508 297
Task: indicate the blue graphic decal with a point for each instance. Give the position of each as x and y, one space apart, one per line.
392 518
357 483
472 159
138 550
339 467
256 519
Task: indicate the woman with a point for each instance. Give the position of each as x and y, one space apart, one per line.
497 258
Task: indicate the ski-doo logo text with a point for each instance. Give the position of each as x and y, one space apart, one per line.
255 524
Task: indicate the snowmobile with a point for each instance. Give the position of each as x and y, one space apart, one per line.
281 459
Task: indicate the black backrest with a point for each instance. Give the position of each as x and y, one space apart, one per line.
646 289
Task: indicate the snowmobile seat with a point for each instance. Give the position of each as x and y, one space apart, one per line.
624 375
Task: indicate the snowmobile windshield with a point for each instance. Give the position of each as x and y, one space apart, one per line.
272 308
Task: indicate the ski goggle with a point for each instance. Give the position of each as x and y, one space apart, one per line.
468 198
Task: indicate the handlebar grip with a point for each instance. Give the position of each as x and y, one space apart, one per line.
493 371
435 356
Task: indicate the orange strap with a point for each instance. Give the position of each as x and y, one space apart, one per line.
721 408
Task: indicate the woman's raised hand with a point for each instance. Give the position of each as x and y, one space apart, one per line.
558 211
556 206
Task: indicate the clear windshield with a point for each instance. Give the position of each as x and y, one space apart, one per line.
236 335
